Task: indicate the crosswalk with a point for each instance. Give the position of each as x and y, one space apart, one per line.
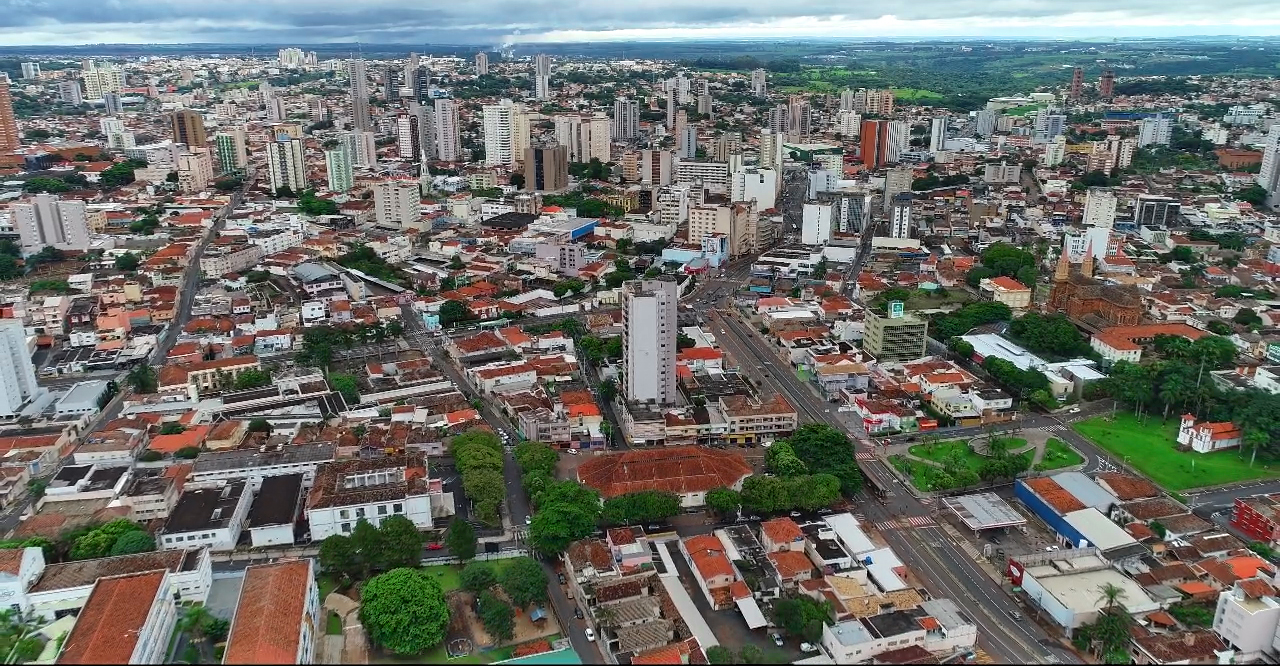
906 523
1055 428
865 456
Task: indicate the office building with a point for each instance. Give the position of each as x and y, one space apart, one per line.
9 137
687 143
937 134
817 221
397 204
900 216
895 337
770 149
756 184
626 119
728 148
232 148
358 89
112 104
1100 208
874 143
417 79
798 119
286 165
1155 131
362 147
1055 152
482 64
671 109
101 79
542 76
1049 124
17 372
736 222
1268 175
30 70
448 132
45 220
759 83
118 138
1077 84
498 148
896 181
188 127
546 169
1107 84
408 137
656 167
1002 173
69 92
649 341
389 89
1151 211
337 163
195 170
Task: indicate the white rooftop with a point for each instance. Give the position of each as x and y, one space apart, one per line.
1098 529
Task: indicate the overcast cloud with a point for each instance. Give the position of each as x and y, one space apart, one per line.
497 21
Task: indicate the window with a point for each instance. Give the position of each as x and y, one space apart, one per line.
397 508
344 514
360 512
382 509
346 528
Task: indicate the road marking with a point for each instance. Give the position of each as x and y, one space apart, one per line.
887 525
1055 428
865 455
920 521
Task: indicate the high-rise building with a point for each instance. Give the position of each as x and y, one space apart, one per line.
291 58
1077 84
900 215
899 139
984 122
1049 124
848 123
1152 210
874 143
275 109
542 76
389 89
656 167
759 83
938 134
112 104
424 122
408 137
69 92
778 122
118 138
816 223
735 221
671 109
498 145
897 337
649 341
520 130
9 138
482 63
30 70
17 372
337 163
286 165
362 147
626 119
448 132
1268 175
598 144
195 170
397 204
188 127
358 89
897 181
846 99
47 220
1157 131
411 66
727 146
546 169
771 149
233 149
704 104
1055 152
100 79
687 143
798 119
1100 208
1107 84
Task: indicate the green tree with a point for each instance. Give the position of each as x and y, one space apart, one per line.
640 507
802 616
453 312
99 541
781 460
764 494
366 544
195 622
478 577
536 456
719 654
399 543
338 557
461 539
828 451
128 262
347 385
724 501
172 428
252 378
750 654
131 543
259 425
497 616
404 611
143 379
524 581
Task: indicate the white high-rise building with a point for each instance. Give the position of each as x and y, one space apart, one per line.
848 123
846 99
687 142
17 372
397 204
358 87
899 140
938 134
542 76
817 221
362 147
286 165
755 184
598 143
1049 124
770 149
520 133
47 220
408 137
482 63
586 137
984 122
649 341
1100 208
448 135
195 170
291 58
900 216
118 137
1269 175
30 70
337 163
100 79
498 145
896 181
1157 131
759 83
1055 152
626 119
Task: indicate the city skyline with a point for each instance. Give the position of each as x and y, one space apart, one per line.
63 22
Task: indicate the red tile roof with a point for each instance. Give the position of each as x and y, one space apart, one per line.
106 631
678 469
269 615
1055 495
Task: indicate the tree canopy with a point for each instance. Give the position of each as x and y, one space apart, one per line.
525 581
404 611
828 451
646 506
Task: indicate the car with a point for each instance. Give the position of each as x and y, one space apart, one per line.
1015 615
796 514
654 527
741 519
591 635
777 640
434 546
825 511
808 647
572 452
577 612
1050 549
755 518
1073 410
563 580
528 520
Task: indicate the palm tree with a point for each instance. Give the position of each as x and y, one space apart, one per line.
1111 594
1254 439
195 622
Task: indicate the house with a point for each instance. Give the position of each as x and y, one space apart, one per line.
687 471
62 589
714 572
1207 437
1246 618
347 491
277 616
781 534
275 510
1180 647
209 516
127 619
1006 290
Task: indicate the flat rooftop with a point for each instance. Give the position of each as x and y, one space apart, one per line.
204 509
984 511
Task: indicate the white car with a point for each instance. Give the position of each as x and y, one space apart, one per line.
573 452
528 520
591 634
808 647
777 640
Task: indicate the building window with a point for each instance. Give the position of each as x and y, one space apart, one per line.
360 512
343 514
397 508
382 509
346 528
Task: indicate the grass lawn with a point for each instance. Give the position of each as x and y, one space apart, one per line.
940 451
1151 448
1058 455
333 626
450 575
912 94
437 655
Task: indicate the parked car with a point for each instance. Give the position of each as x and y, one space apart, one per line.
591 634
1073 410
796 514
777 640
577 612
528 520
825 511
573 452
562 578
434 546
755 518
808 647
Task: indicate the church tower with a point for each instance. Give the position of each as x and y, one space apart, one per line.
1063 271
1086 264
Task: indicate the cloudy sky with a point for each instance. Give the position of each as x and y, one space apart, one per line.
34 22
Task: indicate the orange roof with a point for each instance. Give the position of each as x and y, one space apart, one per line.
1007 283
192 436
790 563
708 556
1195 587
781 530
1247 566
700 354
1055 495
107 629
583 409
268 618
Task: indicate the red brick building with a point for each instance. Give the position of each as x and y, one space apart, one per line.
1258 517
